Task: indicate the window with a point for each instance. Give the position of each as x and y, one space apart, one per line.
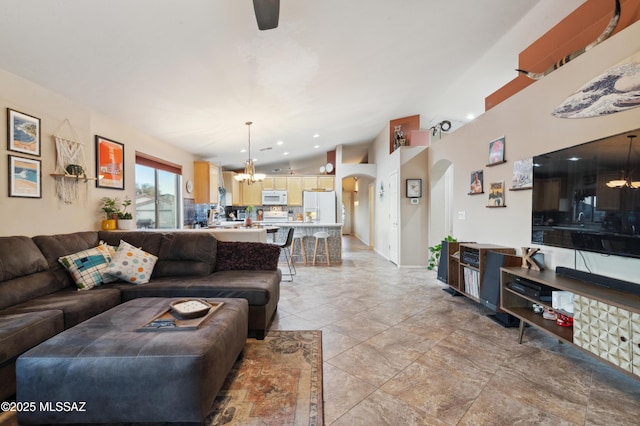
157 193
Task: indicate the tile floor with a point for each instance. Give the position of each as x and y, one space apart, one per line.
400 351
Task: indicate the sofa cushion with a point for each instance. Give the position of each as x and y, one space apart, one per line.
55 246
77 306
20 332
247 256
148 241
186 254
131 264
257 287
24 271
87 266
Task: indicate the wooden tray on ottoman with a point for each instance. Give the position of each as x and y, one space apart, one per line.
169 320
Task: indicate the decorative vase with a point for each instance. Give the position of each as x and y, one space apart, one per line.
125 224
109 224
248 222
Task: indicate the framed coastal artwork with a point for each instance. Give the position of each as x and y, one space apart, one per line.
496 151
475 185
25 179
23 133
109 163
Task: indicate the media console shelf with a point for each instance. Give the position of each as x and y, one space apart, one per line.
471 264
606 322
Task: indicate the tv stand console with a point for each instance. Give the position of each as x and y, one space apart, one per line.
606 322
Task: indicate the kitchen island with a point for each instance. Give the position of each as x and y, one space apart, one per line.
308 229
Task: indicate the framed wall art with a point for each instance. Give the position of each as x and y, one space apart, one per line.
23 133
25 177
522 174
496 194
496 151
475 185
109 163
414 188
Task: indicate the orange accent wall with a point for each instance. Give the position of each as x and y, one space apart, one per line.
577 30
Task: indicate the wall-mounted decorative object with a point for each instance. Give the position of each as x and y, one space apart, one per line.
522 174
23 133
496 152
475 186
617 89
381 189
443 126
496 194
109 163
25 178
414 188
71 168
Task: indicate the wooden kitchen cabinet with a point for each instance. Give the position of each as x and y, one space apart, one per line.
309 183
294 191
326 182
201 182
251 194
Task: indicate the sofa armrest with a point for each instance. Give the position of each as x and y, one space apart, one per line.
253 256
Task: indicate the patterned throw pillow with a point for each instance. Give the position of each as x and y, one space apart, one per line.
111 251
86 267
131 264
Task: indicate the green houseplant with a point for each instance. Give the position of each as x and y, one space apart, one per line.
434 258
110 208
248 221
125 218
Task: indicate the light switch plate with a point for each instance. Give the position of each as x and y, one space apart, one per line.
462 215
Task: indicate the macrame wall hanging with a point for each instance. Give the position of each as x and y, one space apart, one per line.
70 163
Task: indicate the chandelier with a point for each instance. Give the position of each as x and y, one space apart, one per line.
250 176
625 181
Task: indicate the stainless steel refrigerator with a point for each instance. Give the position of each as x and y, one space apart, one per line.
320 207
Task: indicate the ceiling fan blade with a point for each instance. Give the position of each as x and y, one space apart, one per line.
267 13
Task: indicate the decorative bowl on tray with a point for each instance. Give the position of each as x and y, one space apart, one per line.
190 308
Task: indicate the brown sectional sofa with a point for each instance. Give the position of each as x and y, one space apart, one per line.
38 298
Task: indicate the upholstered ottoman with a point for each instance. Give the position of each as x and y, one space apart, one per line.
105 371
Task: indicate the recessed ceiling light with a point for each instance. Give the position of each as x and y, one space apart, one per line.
316 135
470 116
279 142
317 146
243 150
285 153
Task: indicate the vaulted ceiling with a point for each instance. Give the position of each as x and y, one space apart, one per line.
192 72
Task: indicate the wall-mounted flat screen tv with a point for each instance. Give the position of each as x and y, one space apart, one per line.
587 197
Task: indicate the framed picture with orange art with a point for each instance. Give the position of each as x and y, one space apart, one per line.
109 163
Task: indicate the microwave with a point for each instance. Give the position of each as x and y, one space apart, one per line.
274 198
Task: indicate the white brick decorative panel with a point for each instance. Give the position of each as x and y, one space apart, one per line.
603 330
635 342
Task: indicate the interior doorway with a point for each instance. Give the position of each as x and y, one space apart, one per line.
441 201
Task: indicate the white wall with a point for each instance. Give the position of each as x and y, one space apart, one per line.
529 128
49 215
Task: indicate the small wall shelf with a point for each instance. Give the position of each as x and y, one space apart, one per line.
76 177
496 207
497 163
520 189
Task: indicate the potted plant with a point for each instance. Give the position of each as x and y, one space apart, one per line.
110 208
248 221
125 218
435 251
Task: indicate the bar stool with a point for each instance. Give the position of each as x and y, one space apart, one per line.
321 236
299 236
286 251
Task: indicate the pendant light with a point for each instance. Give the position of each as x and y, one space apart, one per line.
250 176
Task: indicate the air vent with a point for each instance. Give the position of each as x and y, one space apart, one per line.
266 149
278 170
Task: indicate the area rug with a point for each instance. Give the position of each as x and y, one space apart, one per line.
276 381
